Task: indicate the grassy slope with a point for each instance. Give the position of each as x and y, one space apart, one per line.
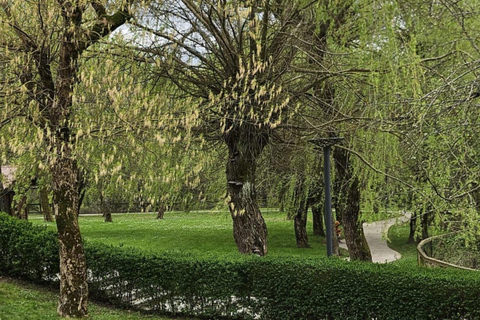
197 231
24 301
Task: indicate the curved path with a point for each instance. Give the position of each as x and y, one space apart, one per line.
376 234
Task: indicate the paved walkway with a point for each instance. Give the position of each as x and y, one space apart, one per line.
376 234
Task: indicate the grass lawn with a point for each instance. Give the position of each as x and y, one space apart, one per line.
195 231
23 301
397 240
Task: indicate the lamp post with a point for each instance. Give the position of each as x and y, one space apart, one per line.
326 144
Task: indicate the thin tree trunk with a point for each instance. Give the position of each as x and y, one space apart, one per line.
427 219
281 195
161 212
80 200
45 204
315 201
4 203
348 207
413 227
317 218
249 227
82 185
106 211
20 211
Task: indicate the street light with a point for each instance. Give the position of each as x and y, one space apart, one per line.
326 144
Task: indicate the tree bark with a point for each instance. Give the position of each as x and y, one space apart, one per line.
21 209
106 211
73 269
45 204
300 207
413 227
427 219
249 227
4 203
317 218
348 207
161 212
315 201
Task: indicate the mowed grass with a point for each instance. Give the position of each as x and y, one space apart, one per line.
207 231
397 240
23 301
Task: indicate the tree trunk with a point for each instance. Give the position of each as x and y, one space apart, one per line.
413 227
315 201
249 228
4 203
45 204
300 207
82 184
80 200
317 218
9 206
427 219
21 209
281 195
161 212
348 207
73 270
106 212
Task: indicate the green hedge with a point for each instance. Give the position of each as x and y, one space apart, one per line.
238 287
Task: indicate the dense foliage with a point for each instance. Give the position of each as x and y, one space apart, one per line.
247 287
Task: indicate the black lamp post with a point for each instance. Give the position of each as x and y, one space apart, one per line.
326 144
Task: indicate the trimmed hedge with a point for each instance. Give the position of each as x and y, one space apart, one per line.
238 287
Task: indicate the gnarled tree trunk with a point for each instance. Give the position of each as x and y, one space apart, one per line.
300 207
348 207
249 227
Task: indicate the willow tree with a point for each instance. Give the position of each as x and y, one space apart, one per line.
41 49
235 59
444 148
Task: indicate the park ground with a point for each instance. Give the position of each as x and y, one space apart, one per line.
195 231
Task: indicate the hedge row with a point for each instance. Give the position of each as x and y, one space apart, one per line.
237 287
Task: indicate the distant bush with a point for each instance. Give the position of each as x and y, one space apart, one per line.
240 287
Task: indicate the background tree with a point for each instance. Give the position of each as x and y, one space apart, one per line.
235 59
